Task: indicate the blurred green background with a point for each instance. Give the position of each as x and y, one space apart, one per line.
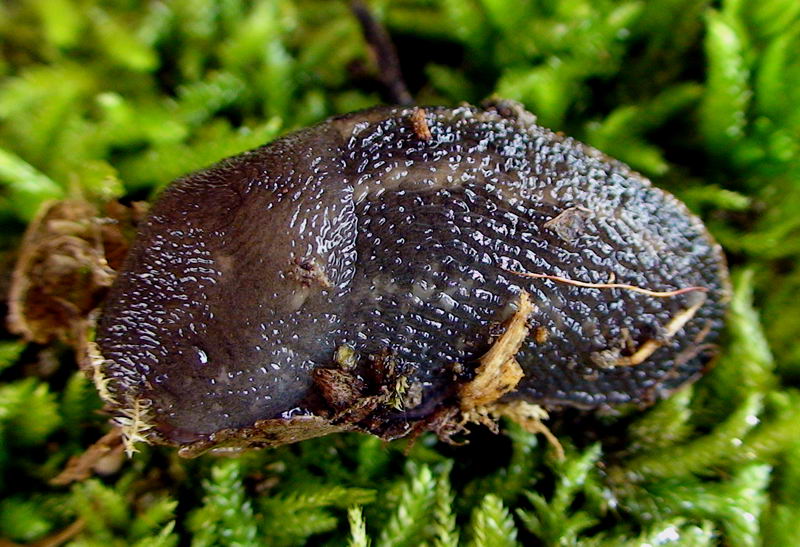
112 100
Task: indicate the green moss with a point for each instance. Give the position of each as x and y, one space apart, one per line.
103 100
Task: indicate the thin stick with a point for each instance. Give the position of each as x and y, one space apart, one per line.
634 288
385 54
81 467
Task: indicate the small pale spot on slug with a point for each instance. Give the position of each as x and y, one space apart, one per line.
202 356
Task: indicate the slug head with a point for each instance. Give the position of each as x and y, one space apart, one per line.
229 277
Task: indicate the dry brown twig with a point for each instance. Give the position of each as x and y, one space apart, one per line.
384 52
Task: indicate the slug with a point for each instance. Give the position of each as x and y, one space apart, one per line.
354 275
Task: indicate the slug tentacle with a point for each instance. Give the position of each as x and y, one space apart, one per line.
406 235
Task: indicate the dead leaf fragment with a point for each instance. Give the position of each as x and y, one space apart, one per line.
65 266
96 458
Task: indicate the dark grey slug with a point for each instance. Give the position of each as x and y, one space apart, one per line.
350 276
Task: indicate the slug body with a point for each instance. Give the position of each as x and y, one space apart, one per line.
400 251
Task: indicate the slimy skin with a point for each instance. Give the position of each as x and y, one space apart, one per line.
404 247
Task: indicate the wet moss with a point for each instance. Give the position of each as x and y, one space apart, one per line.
103 102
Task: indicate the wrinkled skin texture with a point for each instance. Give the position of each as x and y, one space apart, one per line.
249 275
